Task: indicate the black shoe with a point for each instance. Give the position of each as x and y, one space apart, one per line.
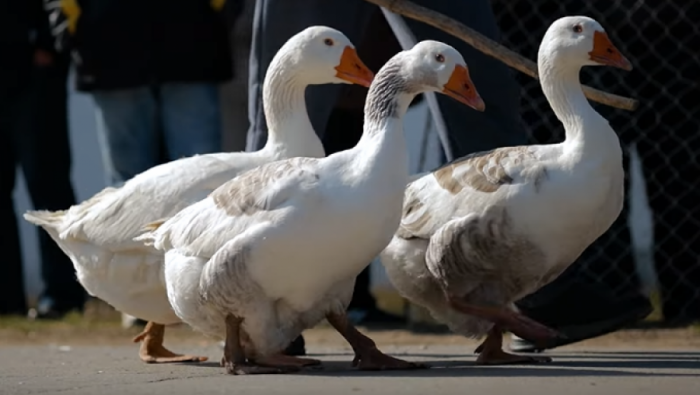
584 315
139 323
296 348
129 321
49 309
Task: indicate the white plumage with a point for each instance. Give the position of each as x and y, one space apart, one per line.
277 249
484 231
98 234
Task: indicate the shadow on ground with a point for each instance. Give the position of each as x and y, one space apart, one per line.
610 364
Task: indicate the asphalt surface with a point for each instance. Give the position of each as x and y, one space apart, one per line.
93 370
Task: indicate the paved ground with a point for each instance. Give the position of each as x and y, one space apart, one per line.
92 355
113 369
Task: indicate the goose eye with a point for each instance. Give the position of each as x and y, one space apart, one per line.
577 29
440 58
328 42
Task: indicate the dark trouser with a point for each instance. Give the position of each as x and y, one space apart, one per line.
668 142
276 21
35 135
135 124
675 197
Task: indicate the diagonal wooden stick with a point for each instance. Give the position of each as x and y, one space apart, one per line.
491 48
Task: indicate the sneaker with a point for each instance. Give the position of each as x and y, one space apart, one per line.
598 317
296 348
48 309
129 321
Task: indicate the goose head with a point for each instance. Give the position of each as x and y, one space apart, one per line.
430 66
579 41
325 55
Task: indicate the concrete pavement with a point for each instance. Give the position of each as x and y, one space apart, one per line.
93 370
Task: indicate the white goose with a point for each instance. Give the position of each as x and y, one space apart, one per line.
277 249
98 234
482 232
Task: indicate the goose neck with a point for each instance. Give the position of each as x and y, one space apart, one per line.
586 130
562 88
381 153
387 102
284 102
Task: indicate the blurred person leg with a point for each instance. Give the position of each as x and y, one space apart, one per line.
189 124
274 22
186 120
669 146
674 202
127 133
13 82
190 118
674 196
129 321
500 127
45 157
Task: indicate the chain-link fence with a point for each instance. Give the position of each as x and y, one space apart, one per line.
662 40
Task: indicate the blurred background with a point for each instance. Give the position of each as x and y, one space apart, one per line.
661 138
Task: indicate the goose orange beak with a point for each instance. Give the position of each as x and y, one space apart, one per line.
351 69
604 52
461 88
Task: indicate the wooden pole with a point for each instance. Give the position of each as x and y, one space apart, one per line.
492 48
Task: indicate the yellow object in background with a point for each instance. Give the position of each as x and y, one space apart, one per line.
71 10
389 300
217 5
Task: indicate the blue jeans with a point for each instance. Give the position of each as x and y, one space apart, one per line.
129 123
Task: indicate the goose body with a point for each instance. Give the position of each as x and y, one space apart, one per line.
277 249
488 229
98 234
